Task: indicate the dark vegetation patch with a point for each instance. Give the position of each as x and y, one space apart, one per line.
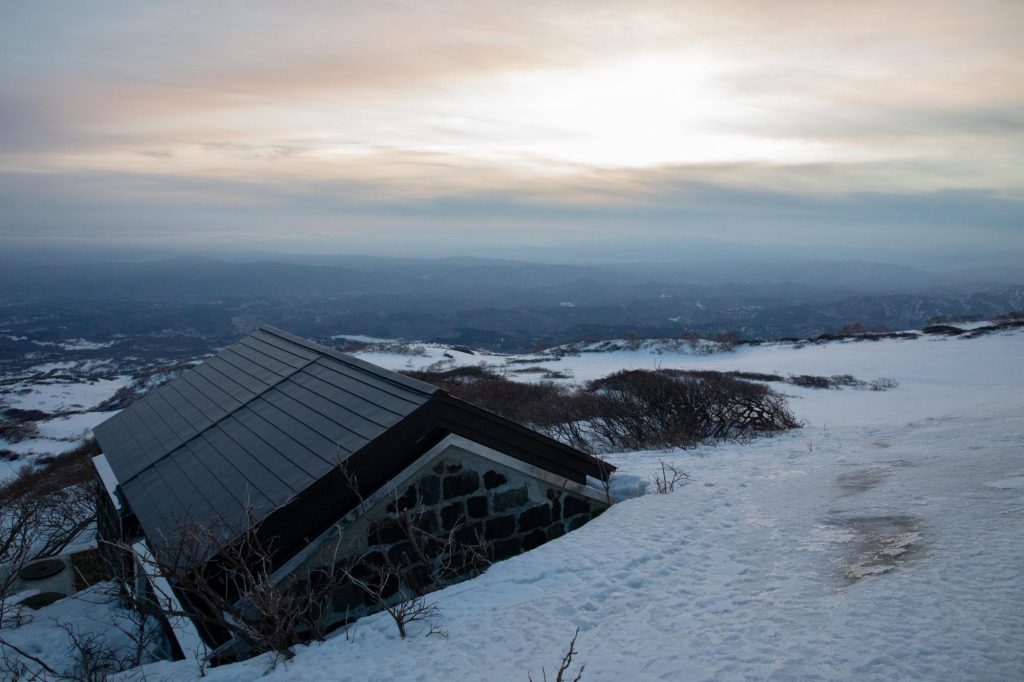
836 381
942 330
756 376
57 473
628 410
15 431
89 568
16 414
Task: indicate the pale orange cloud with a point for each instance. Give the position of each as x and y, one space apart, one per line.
561 103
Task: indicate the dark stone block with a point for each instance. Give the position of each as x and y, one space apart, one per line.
364 568
534 517
556 531
534 539
510 499
500 527
492 479
402 553
451 515
426 521
573 506
406 501
577 522
417 577
430 490
458 485
470 534
503 549
385 532
477 506
346 598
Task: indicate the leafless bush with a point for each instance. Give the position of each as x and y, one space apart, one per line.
41 512
231 590
92 658
668 478
662 409
381 581
629 409
884 384
563 667
399 581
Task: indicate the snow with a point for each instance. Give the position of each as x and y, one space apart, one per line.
56 395
881 541
94 613
75 344
64 389
56 435
73 427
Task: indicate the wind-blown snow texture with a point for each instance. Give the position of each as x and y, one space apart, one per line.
883 541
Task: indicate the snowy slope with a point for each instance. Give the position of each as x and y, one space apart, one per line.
883 541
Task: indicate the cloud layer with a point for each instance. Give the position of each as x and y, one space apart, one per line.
459 124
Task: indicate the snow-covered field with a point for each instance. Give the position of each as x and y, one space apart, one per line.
883 541
67 398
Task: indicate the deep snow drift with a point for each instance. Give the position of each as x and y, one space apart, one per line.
885 540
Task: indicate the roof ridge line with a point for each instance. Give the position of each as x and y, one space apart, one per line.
351 360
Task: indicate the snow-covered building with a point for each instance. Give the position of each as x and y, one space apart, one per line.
311 448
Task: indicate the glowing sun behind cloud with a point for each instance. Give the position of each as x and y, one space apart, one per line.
633 112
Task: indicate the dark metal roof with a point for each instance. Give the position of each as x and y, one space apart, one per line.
252 426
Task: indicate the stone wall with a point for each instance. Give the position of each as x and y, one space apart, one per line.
448 520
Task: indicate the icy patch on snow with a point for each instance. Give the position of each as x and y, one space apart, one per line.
881 543
1010 483
860 481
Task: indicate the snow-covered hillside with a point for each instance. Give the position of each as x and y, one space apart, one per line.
882 541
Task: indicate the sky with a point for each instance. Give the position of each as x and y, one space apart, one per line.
555 129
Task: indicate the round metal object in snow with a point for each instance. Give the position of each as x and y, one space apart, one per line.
39 570
38 601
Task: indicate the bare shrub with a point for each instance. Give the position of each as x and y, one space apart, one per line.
399 581
667 409
41 512
668 478
17 431
883 384
231 590
381 581
629 409
810 381
563 667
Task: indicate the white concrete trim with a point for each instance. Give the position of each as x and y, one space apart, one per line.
524 468
184 630
107 476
